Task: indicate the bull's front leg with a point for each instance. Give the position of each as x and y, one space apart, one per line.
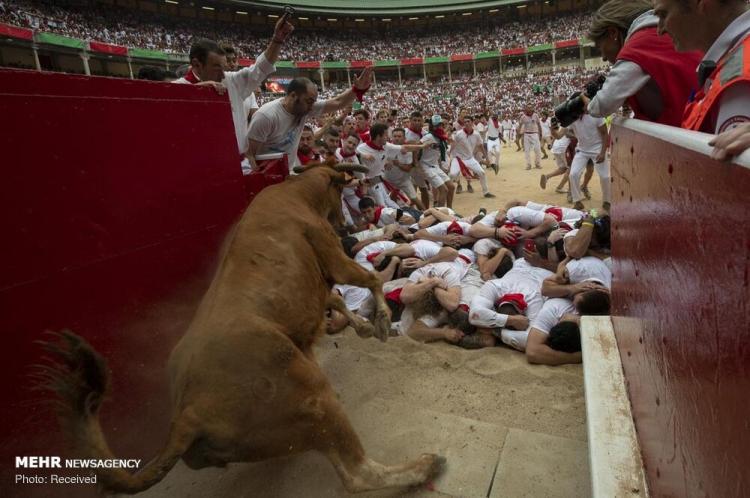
342 270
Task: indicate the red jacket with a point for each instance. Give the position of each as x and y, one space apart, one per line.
673 72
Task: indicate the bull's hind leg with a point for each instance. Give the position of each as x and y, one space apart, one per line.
360 325
342 270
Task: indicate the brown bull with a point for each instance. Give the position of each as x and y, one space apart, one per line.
244 381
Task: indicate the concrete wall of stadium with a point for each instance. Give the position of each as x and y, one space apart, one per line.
681 293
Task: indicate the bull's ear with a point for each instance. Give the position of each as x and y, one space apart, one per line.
349 168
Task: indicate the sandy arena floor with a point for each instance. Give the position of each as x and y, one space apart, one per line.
507 428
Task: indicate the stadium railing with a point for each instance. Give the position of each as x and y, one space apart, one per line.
667 375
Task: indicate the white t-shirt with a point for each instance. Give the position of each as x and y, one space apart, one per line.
449 272
525 217
546 127
376 165
464 145
442 227
587 132
481 128
279 131
560 145
489 219
492 130
507 124
523 279
551 313
353 296
379 246
431 153
395 155
411 136
425 249
589 268
240 85
568 214
529 123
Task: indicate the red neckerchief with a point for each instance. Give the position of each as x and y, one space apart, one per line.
394 296
347 156
372 145
304 159
556 212
191 77
371 257
454 227
468 133
440 133
418 132
496 123
516 299
376 215
364 135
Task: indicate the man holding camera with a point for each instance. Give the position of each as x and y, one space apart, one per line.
593 140
647 71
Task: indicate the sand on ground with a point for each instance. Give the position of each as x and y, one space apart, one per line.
507 428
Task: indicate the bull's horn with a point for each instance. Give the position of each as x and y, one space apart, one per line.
300 169
349 167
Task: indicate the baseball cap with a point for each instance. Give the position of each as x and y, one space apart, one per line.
436 119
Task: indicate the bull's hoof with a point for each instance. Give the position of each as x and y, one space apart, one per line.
365 329
382 326
435 465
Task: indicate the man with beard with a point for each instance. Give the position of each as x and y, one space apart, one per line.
277 126
305 152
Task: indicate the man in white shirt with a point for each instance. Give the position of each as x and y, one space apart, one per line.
436 144
466 144
546 123
413 134
277 126
593 140
558 316
494 137
530 128
507 127
373 155
207 63
399 166
519 288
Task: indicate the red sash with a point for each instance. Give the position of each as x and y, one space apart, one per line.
465 258
191 77
454 227
516 299
556 212
395 296
465 171
393 190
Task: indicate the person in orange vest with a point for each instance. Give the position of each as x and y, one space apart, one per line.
721 29
647 72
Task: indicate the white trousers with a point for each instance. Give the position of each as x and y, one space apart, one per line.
493 150
580 161
531 142
380 194
473 166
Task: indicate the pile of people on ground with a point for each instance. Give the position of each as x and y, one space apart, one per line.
518 276
517 273
155 31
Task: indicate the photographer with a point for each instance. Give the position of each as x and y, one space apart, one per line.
593 140
648 73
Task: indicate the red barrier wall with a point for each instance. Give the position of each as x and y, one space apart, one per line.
116 196
681 243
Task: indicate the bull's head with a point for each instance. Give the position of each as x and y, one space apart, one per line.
333 177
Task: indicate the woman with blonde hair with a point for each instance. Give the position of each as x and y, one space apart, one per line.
647 73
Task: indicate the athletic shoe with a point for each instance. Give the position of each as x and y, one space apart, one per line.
606 206
469 188
561 191
483 211
459 189
579 206
570 198
495 168
489 195
538 166
586 193
528 168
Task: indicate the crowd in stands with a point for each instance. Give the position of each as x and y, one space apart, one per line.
155 31
484 93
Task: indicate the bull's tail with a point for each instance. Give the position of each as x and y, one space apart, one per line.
77 375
